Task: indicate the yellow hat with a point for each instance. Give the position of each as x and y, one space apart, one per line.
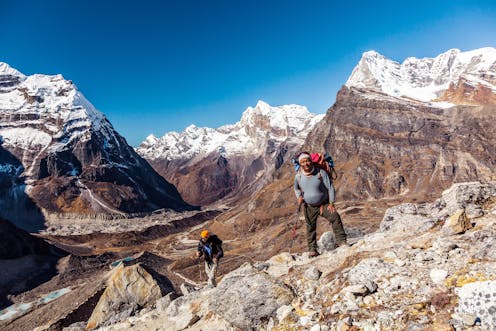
204 234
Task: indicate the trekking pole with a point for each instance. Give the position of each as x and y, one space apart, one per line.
199 267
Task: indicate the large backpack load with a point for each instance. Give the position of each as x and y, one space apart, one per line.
321 160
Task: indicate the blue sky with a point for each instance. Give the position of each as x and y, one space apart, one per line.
158 66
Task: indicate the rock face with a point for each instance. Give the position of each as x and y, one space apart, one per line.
390 133
128 289
389 280
387 146
208 164
58 154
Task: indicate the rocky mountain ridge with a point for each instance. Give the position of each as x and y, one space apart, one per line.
386 146
208 165
61 155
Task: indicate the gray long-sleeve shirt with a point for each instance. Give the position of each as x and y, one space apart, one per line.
315 190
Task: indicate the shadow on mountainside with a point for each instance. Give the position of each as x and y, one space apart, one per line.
15 205
25 261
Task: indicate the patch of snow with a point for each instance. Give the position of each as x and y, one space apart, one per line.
25 138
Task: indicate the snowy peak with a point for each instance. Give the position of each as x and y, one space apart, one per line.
248 136
53 140
287 117
5 69
425 79
39 108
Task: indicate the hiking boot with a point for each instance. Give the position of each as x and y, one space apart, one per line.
342 243
313 254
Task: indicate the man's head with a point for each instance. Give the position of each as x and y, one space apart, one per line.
204 235
305 162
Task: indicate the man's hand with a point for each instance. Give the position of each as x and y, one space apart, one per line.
198 254
215 260
300 200
331 208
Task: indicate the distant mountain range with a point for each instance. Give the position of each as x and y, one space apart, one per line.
59 155
451 78
409 129
211 165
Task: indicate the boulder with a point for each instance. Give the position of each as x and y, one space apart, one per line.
457 223
312 273
248 298
128 289
479 299
371 270
326 242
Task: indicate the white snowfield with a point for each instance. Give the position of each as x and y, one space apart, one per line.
40 111
249 136
427 78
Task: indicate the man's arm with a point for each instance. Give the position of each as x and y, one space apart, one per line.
297 190
330 189
199 249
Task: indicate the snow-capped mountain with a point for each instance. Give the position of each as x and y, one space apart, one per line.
246 137
453 77
244 150
62 155
412 129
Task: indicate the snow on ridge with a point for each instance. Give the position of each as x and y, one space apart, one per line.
56 104
5 69
248 136
423 79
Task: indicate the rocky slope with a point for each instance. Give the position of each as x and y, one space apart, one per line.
387 146
429 266
60 155
25 261
232 161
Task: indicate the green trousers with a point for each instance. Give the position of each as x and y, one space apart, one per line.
311 215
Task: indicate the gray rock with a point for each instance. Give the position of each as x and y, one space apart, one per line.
164 302
372 269
473 211
326 242
371 286
283 312
316 327
468 319
396 220
356 290
438 276
344 324
248 298
312 273
79 326
479 299
187 288
419 218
